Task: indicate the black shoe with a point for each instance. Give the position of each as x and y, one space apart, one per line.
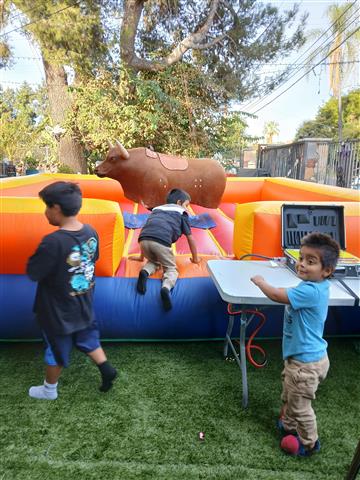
141 283
165 297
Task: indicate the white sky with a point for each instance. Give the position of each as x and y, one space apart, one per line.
300 103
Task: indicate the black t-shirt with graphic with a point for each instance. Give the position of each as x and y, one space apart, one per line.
63 265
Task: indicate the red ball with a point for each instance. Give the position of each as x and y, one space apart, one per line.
290 444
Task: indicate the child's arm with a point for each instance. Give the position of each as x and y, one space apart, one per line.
275 294
42 262
193 249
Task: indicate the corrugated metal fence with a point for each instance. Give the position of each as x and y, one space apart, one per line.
314 160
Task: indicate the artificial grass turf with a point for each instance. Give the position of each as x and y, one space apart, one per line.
147 426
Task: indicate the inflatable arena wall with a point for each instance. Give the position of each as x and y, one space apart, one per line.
246 221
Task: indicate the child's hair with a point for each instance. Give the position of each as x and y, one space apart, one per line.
175 195
329 248
65 194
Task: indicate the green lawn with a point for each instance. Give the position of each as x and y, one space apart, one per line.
147 426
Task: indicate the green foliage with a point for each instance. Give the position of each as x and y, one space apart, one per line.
62 168
271 128
31 163
5 54
23 118
325 124
235 47
147 426
177 111
68 33
181 109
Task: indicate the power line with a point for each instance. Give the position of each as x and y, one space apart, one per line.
18 83
259 101
40 19
317 50
311 64
297 81
273 64
11 18
294 71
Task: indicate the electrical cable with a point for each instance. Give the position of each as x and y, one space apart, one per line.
314 53
294 73
304 75
249 345
255 255
279 260
313 66
11 17
40 19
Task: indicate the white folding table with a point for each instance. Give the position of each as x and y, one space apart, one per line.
232 280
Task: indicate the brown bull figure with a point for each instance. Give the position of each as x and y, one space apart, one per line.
146 176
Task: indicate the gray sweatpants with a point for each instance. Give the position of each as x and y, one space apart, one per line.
158 256
300 382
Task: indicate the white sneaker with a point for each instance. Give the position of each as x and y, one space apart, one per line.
43 393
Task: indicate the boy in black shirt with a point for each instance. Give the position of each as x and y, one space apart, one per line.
164 227
63 265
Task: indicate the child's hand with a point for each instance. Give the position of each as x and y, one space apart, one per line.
139 258
257 279
195 260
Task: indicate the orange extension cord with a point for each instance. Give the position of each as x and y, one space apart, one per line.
249 345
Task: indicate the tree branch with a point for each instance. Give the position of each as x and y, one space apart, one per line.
132 14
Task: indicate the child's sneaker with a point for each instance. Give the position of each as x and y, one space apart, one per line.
165 298
292 445
141 283
44 392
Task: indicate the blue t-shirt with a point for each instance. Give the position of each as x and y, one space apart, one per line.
304 321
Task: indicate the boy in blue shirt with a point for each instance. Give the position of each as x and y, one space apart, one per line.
306 363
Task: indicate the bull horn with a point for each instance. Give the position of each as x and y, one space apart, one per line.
124 153
110 144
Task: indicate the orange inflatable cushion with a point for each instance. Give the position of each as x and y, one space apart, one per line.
23 225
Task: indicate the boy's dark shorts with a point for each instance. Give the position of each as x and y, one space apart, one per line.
58 347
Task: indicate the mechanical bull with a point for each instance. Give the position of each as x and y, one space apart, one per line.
146 176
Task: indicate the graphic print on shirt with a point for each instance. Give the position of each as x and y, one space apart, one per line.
82 266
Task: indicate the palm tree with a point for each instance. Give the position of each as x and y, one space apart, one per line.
343 49
270 129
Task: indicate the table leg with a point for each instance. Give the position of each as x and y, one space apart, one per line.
241 356
355 465
243 323
228 335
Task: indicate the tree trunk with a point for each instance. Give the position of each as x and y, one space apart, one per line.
70 151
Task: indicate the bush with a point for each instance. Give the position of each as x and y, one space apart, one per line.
64 169
31 163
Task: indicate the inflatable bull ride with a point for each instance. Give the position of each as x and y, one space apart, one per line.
230 218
